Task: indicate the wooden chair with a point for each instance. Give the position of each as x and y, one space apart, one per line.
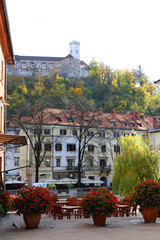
78 213
57 212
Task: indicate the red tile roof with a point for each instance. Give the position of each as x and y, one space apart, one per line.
127 120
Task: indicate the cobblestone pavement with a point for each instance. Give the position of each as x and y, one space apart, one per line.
126 228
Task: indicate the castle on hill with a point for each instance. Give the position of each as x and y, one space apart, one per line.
70 66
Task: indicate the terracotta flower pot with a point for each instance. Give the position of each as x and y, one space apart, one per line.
32 220
99 220
150 214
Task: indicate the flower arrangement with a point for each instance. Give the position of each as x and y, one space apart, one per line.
99 201
34 200
4 202
73 201
146 194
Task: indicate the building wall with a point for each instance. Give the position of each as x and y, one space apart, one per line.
94 171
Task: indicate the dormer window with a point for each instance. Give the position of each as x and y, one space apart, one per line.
132 124
113 123
71 120
124 124
139 124
59 119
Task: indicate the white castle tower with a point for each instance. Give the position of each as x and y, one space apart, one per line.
74 49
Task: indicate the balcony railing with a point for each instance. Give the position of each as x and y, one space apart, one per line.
105 168
73 168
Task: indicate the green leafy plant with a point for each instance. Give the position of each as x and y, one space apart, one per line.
99 201
146 194
34 200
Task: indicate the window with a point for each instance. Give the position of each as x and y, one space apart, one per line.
132 124
24 65
113 123
47 147
75 132
102 162
58 147
71 120
139 124
59 119
43 66
48 163
33 65
124 124
38 131
62 132
70 162
47 131
90 161
90 134
90 148
102 134
71 147
58 162
103 148
116 149
116 134
38 147
91 177
51 66
16 161
17 150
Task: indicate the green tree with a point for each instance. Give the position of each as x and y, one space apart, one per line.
136 163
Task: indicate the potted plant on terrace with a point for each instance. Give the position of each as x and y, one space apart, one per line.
99 203
147 196
4 203
32 202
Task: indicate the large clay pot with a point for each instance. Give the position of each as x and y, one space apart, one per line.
150 214
32 220
99 220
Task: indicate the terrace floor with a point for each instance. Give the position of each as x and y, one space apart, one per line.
116 228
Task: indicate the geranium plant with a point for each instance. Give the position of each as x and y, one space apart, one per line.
99 201
4 202
73 201
146 194
34 200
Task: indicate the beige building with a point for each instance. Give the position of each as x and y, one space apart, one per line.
60 144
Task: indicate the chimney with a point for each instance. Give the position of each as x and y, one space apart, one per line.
73 108
101 111
133 115
138 115
114 113
155 122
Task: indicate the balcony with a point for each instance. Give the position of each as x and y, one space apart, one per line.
105 168
73 168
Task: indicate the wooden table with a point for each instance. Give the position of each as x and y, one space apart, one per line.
70 209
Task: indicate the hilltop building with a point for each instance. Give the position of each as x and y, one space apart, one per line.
70 66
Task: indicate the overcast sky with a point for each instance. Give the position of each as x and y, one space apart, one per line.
121 33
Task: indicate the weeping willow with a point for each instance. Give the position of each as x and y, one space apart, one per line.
135 164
